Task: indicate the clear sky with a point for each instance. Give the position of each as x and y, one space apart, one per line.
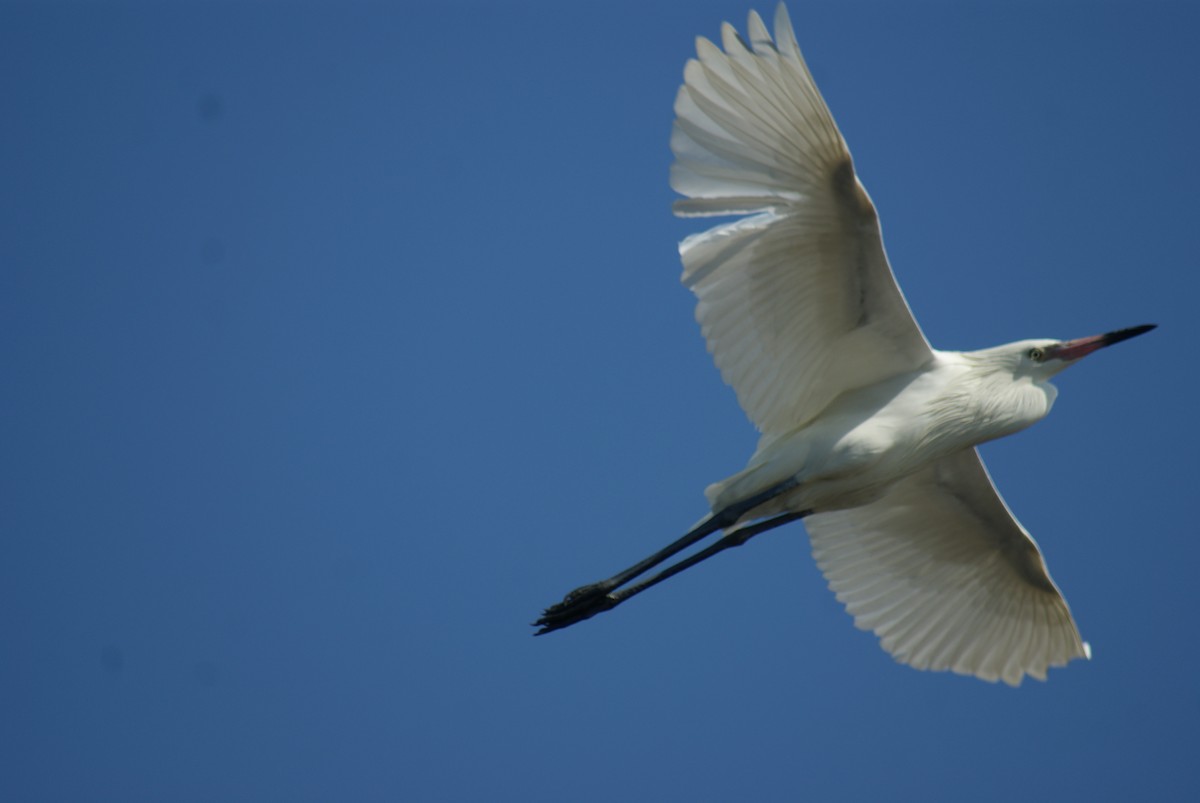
340 339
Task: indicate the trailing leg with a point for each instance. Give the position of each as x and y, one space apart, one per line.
587 601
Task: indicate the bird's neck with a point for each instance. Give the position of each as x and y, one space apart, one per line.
981 403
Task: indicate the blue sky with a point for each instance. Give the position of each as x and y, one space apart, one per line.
340 339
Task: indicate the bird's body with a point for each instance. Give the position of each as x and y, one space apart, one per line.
867 432
867 438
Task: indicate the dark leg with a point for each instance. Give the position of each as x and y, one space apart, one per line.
589 600
554 620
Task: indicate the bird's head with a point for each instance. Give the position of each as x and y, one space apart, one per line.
1042 359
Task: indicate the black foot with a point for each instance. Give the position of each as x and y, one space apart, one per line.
582 603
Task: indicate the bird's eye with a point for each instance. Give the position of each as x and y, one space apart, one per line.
1036 354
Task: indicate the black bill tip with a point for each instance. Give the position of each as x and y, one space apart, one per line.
1125 334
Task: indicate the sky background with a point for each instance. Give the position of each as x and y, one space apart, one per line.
340 339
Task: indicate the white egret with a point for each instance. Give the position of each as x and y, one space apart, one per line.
867 432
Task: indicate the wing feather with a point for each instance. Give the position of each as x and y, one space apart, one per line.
940 570
796 302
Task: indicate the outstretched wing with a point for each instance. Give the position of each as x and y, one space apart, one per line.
941 571
797 302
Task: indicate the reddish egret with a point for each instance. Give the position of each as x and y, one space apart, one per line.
867 432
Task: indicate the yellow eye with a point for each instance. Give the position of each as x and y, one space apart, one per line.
1036 354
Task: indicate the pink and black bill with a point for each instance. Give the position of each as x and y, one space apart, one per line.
1076 349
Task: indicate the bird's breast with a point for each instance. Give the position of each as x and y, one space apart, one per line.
868 439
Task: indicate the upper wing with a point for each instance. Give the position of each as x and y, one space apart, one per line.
797 303
946 577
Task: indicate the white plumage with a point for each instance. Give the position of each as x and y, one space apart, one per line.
867 432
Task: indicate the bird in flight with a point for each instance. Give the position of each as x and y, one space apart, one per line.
868 433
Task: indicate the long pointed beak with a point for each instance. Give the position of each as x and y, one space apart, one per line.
1075 349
